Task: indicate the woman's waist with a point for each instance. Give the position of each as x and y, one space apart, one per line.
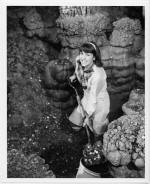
101 100
101 94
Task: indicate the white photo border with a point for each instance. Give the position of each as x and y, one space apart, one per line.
3 87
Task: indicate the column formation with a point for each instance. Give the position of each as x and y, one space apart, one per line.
77 25
60 94
121 45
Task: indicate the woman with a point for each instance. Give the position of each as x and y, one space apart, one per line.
95 101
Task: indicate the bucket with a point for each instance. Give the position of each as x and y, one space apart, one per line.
84 172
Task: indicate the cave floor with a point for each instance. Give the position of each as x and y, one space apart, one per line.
64 153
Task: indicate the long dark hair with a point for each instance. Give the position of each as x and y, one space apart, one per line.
91 47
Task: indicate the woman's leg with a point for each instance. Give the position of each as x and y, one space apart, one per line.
75 127
76 120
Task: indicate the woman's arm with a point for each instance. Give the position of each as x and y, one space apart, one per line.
75 75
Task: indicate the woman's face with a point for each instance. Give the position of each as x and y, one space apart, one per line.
86 59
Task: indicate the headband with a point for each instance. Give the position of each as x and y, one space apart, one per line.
92 45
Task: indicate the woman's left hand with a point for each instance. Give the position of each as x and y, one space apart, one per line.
88 122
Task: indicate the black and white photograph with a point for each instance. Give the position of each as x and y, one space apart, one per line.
76 81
